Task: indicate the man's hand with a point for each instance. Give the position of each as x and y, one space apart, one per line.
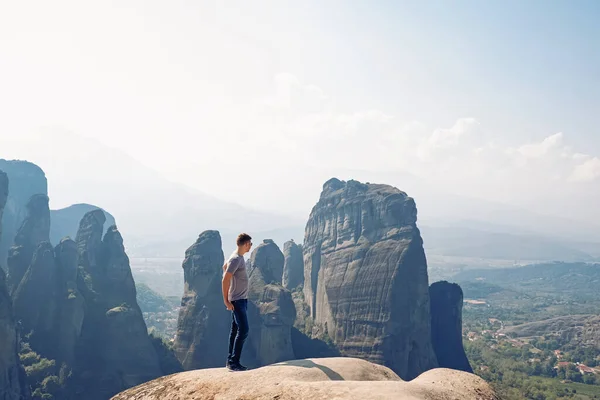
227 276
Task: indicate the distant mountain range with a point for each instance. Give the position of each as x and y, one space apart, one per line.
162 218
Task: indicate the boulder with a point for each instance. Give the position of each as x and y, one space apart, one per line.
313 379
365 276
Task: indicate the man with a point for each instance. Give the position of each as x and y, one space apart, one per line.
235 296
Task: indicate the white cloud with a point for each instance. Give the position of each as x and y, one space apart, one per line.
465 157
587 171
543 148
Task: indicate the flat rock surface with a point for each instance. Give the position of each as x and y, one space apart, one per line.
311 379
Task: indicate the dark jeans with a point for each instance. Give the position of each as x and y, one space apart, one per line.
239 330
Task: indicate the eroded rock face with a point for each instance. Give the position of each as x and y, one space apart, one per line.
365 276
71 303
65 222
204 322
36 301
271 310
446 325
12 375
114 351
25 180
34 230
269 259
293 266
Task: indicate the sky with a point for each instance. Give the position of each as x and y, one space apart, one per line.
256 102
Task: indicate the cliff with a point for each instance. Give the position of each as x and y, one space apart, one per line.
365 276
25 180
35 229
12 375
114 350
293 266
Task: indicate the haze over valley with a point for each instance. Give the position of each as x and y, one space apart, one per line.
421 182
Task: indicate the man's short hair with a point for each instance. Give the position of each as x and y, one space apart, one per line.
243 238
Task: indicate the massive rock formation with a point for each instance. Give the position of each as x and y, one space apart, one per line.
271 311
204 322
12 376
114 351
293 266
313 379
365 276
34 230
71 304
25 180
270 259
36 301
446 325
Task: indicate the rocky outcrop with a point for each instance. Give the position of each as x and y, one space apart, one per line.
313 379
34 230
48 302
204 322
65 222
36 301
71 304
446 325
269 258
12 375
25 180
365 276
293 266
271 311
114 351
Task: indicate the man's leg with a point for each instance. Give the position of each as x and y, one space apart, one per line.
241 319
232 335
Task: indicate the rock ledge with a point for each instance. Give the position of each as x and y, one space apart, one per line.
312 379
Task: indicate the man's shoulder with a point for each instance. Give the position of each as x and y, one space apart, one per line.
235 257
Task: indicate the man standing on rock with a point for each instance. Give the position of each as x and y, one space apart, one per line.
235 296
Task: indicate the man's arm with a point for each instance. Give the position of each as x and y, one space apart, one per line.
226 283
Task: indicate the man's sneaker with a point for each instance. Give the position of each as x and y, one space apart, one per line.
236 367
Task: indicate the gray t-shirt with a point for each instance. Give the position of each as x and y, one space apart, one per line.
239 283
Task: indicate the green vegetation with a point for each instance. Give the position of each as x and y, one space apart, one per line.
524 331
160 312
42 374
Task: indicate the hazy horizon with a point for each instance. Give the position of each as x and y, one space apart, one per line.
259 104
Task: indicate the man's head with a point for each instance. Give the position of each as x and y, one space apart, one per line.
244 243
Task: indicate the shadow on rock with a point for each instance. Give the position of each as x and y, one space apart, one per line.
331 374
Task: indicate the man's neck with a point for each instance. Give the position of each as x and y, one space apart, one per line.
240 252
